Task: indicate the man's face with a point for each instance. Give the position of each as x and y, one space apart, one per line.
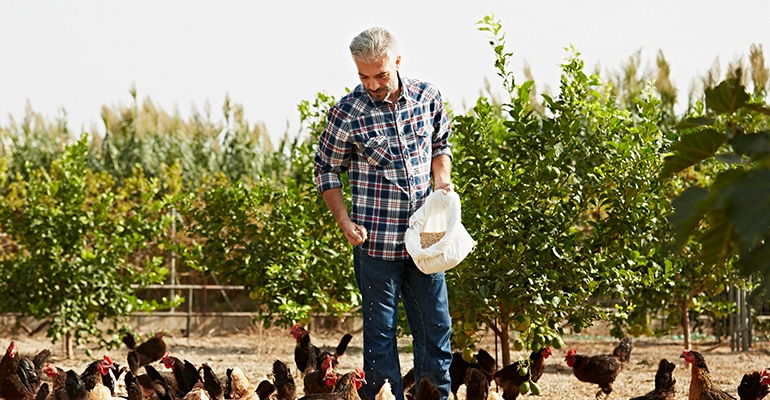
380 77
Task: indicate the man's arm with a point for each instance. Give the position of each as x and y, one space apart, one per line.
441 167
356 234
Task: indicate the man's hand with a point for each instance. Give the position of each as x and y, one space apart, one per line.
356 234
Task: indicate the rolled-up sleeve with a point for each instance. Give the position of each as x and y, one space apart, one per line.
441 131
332 156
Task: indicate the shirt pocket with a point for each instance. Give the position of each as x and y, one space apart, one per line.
374 148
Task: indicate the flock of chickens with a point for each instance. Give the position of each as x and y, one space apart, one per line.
25 378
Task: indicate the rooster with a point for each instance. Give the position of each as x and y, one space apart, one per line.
321 380
305 351
510 379
346 389
600 369
148 352
20 376
754 386
665 383
701 386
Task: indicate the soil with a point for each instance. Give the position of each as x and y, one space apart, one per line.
255 349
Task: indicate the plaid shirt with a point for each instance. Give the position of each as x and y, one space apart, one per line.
386 149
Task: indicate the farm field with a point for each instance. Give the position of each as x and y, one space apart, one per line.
254 351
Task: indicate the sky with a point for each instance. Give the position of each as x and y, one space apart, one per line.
268 56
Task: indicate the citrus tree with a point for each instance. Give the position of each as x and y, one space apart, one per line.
74 235
275 235
565 206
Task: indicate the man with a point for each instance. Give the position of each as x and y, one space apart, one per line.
390 136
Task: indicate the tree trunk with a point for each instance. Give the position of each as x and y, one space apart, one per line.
685 323
505 344
68 345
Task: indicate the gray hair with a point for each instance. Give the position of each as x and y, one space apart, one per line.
372 44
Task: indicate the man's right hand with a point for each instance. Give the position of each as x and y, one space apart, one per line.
356 234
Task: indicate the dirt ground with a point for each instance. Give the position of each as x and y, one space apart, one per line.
254 351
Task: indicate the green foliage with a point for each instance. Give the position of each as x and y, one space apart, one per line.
276 237
565 208
74 232
729 217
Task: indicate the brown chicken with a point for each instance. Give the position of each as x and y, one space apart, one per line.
476 385
701 386
665 383
99 372
321 380
197 392
600 369
509 378
458 369
148 352
133 390
239 387
305 350
346 389
386 392
185 374
211 382
20 376
73 389
754 386
427 390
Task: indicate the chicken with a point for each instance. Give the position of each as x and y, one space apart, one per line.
321 380
239 385
153 383
285 388
665 383
508 377
304 350
57 375
73 389
148 352
701 386
458 368
133 389
43 392
386 392
265 389
211 383
197 392
346 389
99 391
185 374
476 385
754 386
427 390
600 369
99 371
20 376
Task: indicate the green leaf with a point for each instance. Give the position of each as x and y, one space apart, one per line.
694 122
716 241
689 209
727 97
749 207
691 149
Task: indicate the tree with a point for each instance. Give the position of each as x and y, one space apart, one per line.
74 233
566 207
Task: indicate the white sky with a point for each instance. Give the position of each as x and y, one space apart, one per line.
270 55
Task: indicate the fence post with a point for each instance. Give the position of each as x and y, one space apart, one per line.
189 311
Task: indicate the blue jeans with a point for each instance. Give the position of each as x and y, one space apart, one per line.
427 310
